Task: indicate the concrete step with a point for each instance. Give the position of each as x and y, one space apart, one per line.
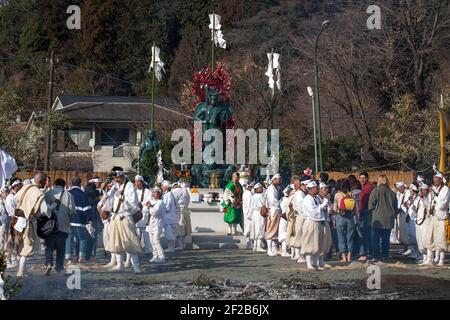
204 241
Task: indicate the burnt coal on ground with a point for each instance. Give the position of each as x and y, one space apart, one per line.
238 275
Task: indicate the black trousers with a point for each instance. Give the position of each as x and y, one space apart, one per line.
56 242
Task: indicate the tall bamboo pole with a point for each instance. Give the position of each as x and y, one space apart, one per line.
212 42
153 86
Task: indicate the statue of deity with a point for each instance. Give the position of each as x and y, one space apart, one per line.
213 110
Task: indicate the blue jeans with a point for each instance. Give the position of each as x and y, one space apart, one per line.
380 238
364 241
345 227
79 235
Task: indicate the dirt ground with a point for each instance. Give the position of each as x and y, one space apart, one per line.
236 274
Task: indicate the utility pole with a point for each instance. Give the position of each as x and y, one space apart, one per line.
317 95
48 142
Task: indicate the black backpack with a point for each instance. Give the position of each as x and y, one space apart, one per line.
47 226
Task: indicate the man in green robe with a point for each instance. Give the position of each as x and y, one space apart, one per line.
232 203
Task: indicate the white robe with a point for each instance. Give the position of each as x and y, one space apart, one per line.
172 216
10 204
122 232
437 232
145 210
246 211
157 213
297 204
283 223
272 200
316 235
141 227
257 228
418 210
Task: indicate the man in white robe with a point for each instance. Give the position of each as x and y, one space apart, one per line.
155 227
172 216
257 221
298 207
283 221
3 216
144 196
10 206
314 237
419 211
273 196
246 208
437 235
184 202
401 222
122 234
30 200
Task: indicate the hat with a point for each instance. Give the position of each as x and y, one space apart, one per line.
166 183
257 185
276 176
423 186
400 184
413 187
157 189
252 184
312 184
4 189
420 179
139 178
322 185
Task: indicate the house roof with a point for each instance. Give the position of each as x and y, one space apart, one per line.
116 108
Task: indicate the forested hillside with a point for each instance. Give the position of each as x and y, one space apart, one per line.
378 87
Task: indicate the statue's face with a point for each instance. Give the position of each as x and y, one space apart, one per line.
213 96
151 134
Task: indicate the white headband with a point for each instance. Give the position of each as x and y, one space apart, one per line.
312 184
413 187
306 182
15 183
166 183
400 184
258 185
139 178
277 176
157 189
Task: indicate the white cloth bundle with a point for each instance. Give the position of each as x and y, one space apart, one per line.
7 167
274 68
159 64
217 35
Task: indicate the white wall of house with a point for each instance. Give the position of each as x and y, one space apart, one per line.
104 158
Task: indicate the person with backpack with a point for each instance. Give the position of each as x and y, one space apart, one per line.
384 208
57 240
344 207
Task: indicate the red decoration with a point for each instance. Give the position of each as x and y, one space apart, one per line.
219 80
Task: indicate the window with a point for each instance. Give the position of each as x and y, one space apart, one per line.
115 136
75 140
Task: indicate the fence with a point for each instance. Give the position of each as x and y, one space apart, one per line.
393 176
66 175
